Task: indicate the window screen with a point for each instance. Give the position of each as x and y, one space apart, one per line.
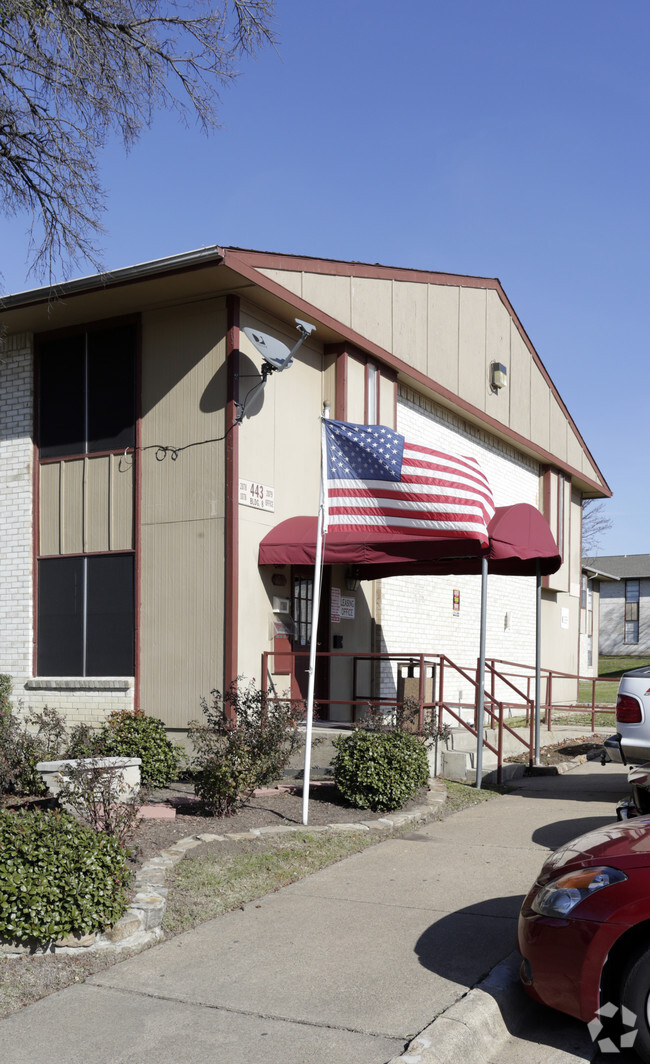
86 392
86 616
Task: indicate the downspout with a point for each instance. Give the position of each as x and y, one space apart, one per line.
231 610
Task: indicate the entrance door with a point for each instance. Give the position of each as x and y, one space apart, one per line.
302 599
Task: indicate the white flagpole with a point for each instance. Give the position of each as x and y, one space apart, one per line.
322 528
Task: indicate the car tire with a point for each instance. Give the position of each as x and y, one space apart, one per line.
641 798
635 996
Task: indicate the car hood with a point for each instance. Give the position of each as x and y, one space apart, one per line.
623 844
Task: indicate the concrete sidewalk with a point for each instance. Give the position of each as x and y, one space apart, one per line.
348 965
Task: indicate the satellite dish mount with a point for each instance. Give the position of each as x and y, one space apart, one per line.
276 355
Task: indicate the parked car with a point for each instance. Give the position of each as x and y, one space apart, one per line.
631 744
584 932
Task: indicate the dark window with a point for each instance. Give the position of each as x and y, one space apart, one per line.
632 590
85 615
86 392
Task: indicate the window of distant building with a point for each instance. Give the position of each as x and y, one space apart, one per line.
631 611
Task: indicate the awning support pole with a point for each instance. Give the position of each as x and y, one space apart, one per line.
538 658
481 676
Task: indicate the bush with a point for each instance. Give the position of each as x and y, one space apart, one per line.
380 771
84 741
99 796
246 743
22 746
57 878
133 734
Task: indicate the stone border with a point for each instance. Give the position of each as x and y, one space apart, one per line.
141 924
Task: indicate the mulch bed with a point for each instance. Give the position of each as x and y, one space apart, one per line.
273 807
278 807
588 746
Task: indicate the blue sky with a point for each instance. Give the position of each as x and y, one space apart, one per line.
506 140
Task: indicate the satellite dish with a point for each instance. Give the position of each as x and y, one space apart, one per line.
274 351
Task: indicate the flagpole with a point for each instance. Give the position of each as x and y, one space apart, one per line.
314 628
481 676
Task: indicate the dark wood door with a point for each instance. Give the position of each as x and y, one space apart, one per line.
302 600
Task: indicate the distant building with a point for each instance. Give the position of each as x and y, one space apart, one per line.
624 626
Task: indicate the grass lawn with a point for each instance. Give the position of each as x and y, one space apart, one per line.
614 665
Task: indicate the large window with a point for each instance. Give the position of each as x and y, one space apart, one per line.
86 392
85 615
86 409
631 611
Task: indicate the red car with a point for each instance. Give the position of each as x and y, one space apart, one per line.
584 933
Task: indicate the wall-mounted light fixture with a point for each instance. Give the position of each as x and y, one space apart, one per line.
498 376
352 581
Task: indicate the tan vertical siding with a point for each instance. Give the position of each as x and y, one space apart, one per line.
182 524
519 385
72 506
539 408
558 429
86 505
410 324
372 309
330 293
497 349
49 507
443 311
472 372
122 472
96 505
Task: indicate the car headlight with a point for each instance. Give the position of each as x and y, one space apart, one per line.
561 896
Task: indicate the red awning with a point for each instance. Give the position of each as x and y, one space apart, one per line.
519 538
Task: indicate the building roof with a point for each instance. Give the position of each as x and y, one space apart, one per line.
623 566
335 295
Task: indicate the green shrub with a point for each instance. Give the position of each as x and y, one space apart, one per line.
85 741
22 745
379 771
245 743
57 877
133 734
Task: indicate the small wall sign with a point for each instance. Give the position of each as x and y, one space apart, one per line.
347 607
259 496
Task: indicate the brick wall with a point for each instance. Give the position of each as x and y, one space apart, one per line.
417 613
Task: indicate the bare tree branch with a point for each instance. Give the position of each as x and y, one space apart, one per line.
595 524
74 71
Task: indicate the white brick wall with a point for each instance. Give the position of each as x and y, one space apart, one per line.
417 612
90 701
16 460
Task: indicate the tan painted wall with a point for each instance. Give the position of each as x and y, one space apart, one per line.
182 528
279 446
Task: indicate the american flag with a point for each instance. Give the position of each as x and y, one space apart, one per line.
378 481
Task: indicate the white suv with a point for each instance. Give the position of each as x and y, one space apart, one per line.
631 744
